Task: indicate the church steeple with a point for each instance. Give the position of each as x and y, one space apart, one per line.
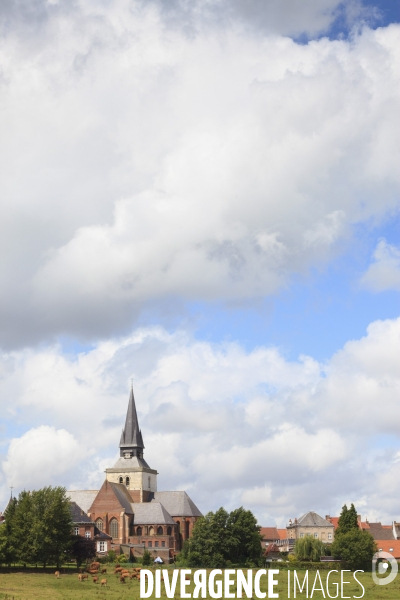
131 443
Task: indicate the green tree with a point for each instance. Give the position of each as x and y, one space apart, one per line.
51 526
10 545
82 549
356 548
348 520
243 538
21 533
3 544
309 548
221 536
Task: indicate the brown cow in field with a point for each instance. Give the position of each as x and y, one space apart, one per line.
103 582
57 574
95 565
95 579
117 570
122 579
83 576
104 570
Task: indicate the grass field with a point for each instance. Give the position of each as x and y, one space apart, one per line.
44 586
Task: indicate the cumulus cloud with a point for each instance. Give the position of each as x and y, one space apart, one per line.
384 272
143 164
40 457
229 425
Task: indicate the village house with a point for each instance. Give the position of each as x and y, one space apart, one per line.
311 524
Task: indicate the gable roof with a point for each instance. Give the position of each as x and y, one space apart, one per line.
122 496
282 534
269 533
83 498
151 513
311 519
271 548
178 504
78 515
380 532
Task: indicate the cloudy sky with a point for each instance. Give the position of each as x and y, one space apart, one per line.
203 196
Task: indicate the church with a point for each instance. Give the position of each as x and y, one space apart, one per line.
128 514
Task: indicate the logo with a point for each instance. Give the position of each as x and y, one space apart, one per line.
386 560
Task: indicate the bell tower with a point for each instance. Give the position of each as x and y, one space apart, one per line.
131 470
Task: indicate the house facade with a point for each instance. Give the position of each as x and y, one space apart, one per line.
130 510
311 524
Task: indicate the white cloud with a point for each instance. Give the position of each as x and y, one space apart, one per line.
142 164
228 425
41 456
384 272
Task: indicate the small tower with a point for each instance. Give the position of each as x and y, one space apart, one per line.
131 469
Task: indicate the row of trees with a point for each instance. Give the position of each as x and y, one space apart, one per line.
37 530
221 538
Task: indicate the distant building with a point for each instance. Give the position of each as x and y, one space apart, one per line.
129 509
311 524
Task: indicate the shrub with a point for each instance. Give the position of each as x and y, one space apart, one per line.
147 558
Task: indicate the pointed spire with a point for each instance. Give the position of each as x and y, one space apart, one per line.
131 443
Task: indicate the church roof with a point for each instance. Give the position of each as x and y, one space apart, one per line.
78 514
178 504
131 435
130 463
122 495
83 498
151 513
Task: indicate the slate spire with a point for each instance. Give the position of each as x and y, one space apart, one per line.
131 443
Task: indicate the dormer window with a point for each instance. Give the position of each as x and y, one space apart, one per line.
121 480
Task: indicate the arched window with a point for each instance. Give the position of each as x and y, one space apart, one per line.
127 482
138 531
187 529
149 481
114 528
151 531
179 526
169 530
121 480
99 524
160 531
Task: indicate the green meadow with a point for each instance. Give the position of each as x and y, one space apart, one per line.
30 585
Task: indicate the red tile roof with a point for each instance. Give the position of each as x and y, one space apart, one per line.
271 548
269 533
334 521
282 534
392 546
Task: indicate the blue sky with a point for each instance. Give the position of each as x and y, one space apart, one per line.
203 198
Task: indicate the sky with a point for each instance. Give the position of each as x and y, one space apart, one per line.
203 198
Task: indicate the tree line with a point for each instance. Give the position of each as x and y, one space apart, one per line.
38 530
